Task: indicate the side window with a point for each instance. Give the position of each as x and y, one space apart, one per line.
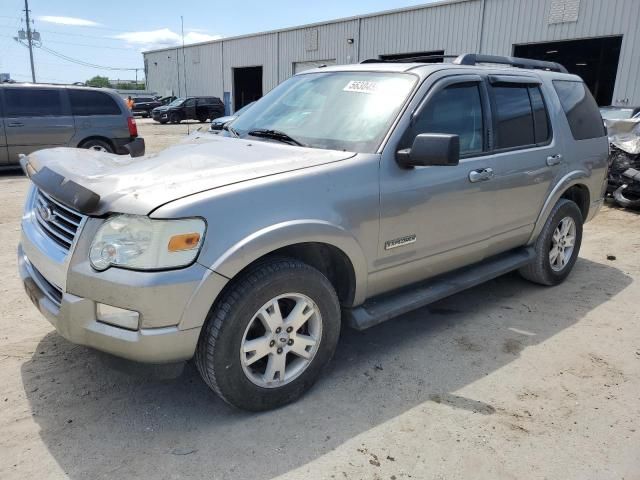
542 130
33 102
456 109
581 109
190 103
513 116
89 102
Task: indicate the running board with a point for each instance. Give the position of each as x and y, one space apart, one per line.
387 306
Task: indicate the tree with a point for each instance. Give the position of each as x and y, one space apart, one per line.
99 81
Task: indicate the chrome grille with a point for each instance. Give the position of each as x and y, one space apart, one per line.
58 222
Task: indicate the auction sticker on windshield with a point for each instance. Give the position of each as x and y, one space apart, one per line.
361 86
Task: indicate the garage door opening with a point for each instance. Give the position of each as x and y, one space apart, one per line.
247 86
594 59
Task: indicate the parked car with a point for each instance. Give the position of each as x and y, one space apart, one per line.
349 196
219 123
37 116
144 105
189 108
166 100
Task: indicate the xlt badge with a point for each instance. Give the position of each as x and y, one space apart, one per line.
399 242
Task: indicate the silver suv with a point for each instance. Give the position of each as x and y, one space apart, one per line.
37 116
347 196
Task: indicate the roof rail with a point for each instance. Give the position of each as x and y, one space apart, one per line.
474 58
417 59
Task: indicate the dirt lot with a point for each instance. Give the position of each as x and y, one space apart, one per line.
507 380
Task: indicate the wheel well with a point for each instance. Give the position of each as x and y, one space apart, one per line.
331 261
95 137
579 194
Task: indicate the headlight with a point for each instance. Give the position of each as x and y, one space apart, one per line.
142 243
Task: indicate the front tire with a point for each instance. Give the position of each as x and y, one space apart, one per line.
174 118
557 246
270 335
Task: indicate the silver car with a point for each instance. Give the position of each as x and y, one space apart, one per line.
37 116
348 195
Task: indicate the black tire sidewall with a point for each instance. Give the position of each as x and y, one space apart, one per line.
565 209
174 118
233 383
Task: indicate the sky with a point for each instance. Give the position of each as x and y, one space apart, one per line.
113 33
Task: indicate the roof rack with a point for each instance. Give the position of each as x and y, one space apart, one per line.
474 59
416 59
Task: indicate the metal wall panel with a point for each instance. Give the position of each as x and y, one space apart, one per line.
454 27
509 22
332 43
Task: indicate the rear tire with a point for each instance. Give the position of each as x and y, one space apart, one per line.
286 359
557 246
99 145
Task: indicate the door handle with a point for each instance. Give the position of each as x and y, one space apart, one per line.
15 124
554 159
481 175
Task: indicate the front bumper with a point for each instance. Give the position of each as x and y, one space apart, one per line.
172 305
75 319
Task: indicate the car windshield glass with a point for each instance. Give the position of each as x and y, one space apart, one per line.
339 111
243 109
177 102
616 113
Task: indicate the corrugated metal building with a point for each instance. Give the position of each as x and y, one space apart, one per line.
597 39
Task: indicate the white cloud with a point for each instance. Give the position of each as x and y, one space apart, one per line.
74 21
163 38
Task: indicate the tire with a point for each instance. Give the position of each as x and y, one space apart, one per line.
202 118
222 363
162 122
623 201
174 118
542 270
99 145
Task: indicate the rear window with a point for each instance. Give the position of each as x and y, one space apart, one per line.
88 102
142 99
581 109
33 102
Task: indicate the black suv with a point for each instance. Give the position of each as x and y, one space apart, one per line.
189 108
144 105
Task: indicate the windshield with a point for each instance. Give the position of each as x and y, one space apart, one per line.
243 109
616 113
339 111
177 102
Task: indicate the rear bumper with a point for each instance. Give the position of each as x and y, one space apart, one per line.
135 145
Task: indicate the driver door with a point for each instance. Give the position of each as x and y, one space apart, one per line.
437 218
190 108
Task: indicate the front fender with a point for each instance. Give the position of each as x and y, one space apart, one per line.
572 178
289 233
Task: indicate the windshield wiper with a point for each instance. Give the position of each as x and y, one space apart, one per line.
275 135
230 129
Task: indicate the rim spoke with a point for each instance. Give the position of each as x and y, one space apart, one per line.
260 347
303 346
275 368
299 315
271 319
566 225
569 241
553 254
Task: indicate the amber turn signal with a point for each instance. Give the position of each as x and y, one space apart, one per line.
186 241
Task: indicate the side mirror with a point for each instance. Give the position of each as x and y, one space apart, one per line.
431 149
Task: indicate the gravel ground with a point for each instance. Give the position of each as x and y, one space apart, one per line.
506 380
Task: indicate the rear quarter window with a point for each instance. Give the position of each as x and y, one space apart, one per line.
88 102
580 108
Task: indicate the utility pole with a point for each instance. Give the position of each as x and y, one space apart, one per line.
30 40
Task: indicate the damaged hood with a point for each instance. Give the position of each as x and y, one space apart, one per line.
624 134
140 185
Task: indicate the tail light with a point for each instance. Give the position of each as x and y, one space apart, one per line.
133 128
